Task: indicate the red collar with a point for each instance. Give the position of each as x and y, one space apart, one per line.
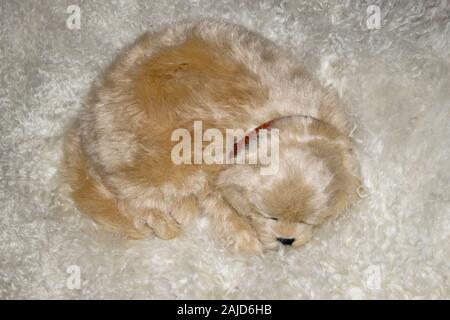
238 145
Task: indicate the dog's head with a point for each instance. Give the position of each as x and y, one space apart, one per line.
315 178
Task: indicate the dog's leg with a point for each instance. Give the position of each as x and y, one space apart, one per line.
234 229
163 225
166 218
185 210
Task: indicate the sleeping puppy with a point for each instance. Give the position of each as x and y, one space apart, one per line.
122 155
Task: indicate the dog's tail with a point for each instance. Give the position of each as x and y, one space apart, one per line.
90 195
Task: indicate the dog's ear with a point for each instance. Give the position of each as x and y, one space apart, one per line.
238 176
237 197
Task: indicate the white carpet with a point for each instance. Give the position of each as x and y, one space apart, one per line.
395 82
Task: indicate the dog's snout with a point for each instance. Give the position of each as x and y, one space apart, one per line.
285 241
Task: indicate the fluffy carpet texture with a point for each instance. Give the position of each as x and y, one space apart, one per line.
395 83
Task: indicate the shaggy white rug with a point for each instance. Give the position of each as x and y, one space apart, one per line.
395 82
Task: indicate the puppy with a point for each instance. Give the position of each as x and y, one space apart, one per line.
119 155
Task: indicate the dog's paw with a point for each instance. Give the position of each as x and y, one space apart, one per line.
167 231
186 210
246 241
163 225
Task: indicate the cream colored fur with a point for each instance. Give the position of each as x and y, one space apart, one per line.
117 155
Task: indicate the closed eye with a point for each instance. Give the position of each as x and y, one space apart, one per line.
263 214
267 216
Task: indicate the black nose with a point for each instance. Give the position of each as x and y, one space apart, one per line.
286 242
